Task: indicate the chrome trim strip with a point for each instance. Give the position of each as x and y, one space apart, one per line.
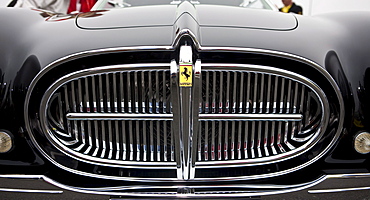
276 189
250 117
356 175
118 116
31 191
337 190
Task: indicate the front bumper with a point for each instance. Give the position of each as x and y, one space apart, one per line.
346 186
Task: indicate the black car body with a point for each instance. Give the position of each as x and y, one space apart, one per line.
184 99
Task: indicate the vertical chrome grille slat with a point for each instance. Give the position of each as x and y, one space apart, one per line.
97 140
226 142
246 140
280 138
165 141
252 140
118 140
136 90
151 128
137 136
227 94
206 146
268 98
213 140
145 142
150 95
124 141
239 144
234 100
241 93
115 100
122 93
158 135
156 92
99 101
214 92
110 136
199 145
107 101
130 141
206 109
129 100
87 151
282 96
103 139
232 143
220 105
265 139
261 99
288 98
273 138
144 101
164 95
219 139
247 100
259 139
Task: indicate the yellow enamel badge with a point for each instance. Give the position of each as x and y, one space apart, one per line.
186 73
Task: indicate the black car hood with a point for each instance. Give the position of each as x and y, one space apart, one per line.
204 15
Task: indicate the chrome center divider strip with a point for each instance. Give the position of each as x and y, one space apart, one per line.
186 104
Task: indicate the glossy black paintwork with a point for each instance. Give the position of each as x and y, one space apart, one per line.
339 42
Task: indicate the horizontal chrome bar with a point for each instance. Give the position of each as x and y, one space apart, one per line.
118 116
250 117
337 190
139 190
31 191
169 117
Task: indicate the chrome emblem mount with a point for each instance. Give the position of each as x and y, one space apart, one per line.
185 86
186 67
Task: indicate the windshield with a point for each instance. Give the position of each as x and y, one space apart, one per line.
112 4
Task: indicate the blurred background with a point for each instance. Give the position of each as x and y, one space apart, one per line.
312 7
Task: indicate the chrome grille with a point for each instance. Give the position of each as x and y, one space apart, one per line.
122 115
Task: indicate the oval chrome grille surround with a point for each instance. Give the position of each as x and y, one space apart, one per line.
122 115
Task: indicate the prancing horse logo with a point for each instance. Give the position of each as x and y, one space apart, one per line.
186 73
